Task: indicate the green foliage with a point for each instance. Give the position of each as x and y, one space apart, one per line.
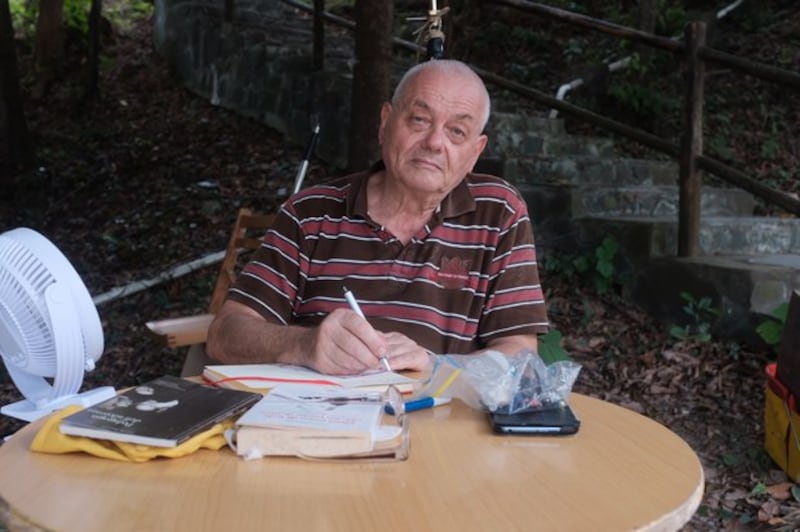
511 40
771 329
604 263
643 100
596 268
574 49
76 15
718 145
24 13
759 489
671 20
121 14
23 16
600 265
632 94
701 313
550 349
770 148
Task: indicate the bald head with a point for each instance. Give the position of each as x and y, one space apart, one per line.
460 73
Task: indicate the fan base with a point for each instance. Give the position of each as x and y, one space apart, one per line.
29 411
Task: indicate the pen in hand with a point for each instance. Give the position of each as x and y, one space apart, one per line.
351 300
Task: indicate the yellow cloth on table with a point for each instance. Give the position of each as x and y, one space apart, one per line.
50 440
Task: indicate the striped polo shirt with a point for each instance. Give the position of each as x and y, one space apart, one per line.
468 276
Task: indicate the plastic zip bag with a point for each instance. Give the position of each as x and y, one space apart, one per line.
497 382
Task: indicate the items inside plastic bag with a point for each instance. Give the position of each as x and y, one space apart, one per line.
497 382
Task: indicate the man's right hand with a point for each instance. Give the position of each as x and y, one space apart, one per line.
344 343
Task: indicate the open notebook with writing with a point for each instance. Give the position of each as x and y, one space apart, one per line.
261 377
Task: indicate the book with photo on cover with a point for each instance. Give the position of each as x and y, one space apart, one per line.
316 421
261 377
164 412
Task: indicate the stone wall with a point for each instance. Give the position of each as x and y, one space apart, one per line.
260 65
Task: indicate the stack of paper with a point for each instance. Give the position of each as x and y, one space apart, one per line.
315 421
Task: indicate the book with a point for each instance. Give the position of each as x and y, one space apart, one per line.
163 412
315 421
261 377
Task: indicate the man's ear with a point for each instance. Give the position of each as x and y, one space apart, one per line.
386 110
483 140
480 145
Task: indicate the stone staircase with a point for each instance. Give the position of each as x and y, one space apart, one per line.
579 192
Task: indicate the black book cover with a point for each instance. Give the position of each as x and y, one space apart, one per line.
164 412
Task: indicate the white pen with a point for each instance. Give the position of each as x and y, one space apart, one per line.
351 300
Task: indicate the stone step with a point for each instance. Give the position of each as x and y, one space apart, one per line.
656 201
743 289
747 266
645 238
504 122
533 143
590 170
517 134
564 216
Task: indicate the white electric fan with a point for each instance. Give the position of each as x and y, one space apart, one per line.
49 327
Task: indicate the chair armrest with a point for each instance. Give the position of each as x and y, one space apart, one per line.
187 330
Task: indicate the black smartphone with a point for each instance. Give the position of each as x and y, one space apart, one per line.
556 421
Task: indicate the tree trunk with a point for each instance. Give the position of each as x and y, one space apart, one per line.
49 51
93 59
371 79
648 10
15 147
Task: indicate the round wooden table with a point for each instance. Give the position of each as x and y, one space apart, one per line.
622 471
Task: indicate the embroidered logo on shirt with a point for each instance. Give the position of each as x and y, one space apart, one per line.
454 272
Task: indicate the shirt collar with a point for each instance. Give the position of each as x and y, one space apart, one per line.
459 201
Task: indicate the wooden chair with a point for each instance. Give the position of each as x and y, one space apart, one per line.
193 330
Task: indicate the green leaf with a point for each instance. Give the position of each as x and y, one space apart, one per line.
678 332
550 349
759 489
601 285
581 264
770 331
781 311
609 247
702 337
730 459
606 269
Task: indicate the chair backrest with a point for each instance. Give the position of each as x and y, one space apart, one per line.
245 238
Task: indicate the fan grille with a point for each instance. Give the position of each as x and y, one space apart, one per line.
22 274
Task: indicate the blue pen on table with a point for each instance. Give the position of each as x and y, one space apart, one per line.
419 404
351 300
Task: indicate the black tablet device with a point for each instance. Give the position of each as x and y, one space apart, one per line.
556 421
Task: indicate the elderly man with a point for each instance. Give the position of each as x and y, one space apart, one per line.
441 260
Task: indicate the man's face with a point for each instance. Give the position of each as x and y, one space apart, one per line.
431 138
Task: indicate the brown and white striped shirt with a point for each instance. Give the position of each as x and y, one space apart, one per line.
468 276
